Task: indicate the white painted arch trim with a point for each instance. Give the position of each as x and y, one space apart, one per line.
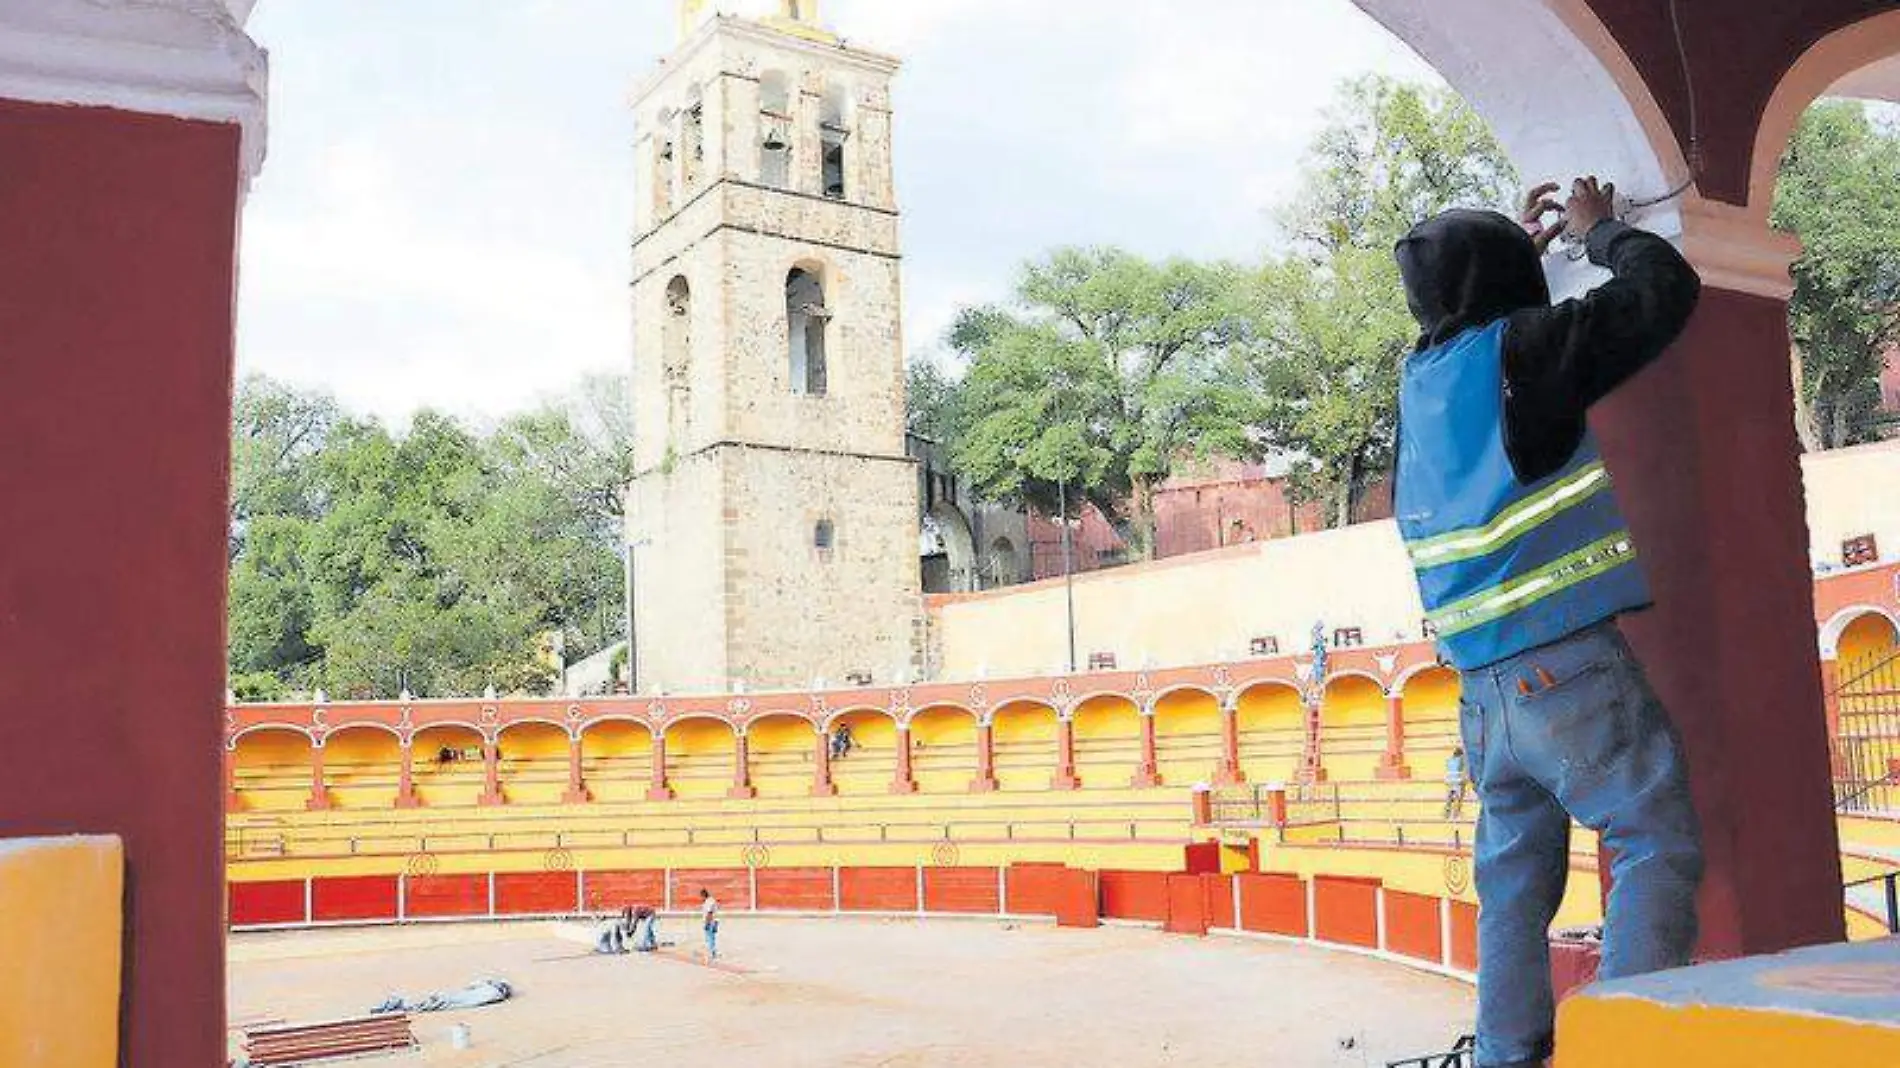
1821 69
188 59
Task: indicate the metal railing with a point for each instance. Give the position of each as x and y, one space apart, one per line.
1866 740
1891 882
1463 1054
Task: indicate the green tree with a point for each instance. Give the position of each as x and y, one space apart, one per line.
1839 191
1329 322
1105 373
932 398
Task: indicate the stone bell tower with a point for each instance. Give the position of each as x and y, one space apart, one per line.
773 514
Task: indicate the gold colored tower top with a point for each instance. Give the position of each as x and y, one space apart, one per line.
796 17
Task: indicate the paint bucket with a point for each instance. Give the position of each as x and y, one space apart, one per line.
459 1037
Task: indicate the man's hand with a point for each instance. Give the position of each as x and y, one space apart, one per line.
1589 205
1537 204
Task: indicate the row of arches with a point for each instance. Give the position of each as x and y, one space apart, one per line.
1181 737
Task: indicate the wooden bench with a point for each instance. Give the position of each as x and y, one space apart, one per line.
314 1043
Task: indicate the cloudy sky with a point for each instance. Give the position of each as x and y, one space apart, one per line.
444 217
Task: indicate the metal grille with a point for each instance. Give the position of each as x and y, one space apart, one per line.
1867 742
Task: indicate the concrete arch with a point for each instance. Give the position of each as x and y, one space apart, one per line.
1352 724
1270 719
1107 739
1828 66
1023 739
943 748
1188 734
257 728
832 717
948 550
601 721
1185 687
700 750
271 767
362 764
871 765
779 748
533 758
501 731
362 725
1832 631
444 783
616 757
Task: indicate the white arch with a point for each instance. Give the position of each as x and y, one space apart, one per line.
504 728
1418 669
835 715
590 724
259 727
1823 67
1837 625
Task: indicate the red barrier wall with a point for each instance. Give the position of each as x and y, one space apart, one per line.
537 892
1201 858
611 891
1187 905
1464 936
972 890
1412 928
355 897
796 889
877 889
1220 900
1346 910
1077 898
263 903
1032 888
732 886
446 895
1135 895
1273 904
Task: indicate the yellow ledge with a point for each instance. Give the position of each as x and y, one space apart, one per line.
60 928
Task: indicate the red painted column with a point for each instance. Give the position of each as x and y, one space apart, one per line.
1703 449
657 789
406 777
903 782
821 784
1148 772
232 802
1064 778
576 784
1228 772
319 799
491 773
1312 757
985 781
741 770
1831 697
1392 765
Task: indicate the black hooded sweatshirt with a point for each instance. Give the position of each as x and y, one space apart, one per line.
1466 269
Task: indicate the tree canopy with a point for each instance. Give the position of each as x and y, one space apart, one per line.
441 560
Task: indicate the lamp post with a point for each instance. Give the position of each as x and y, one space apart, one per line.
1068 564
626 569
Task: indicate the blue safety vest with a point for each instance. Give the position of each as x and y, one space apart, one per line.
1502 566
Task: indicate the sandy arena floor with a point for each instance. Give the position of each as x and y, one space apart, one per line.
890 994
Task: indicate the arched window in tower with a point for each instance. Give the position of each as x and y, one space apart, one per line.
665 164
676 353
805 320
692 140
834 131
775 130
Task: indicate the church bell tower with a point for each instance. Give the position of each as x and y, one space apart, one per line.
773 513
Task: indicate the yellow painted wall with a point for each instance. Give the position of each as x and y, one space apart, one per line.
1107 741
273 771
871 766
943 750
1866 639
458 782
1023 736
1352 727
1187 737
1272 722
617 760
780 749
362 767
533 767
61 924
699 755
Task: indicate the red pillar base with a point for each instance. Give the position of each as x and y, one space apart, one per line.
1145 779
824 790
742 793
578 796
1311 775
983 786
1387 772
408 801
1229 775
491 798
319 802
904 786
1064 780
659 793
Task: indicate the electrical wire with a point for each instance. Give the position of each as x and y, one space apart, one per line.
1695 129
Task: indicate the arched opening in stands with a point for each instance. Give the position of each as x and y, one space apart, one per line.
1023 736
272 770
1187 737
362 767
617 760
1272 725
1107 741
871 765
943 749
699 756
779 747
533 763
1352 727
1430 703
1867 639
446 764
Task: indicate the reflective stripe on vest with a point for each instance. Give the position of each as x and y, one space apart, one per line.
1512 523
1521 592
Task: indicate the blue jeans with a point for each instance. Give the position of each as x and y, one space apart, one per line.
712 940
1588 740
649 939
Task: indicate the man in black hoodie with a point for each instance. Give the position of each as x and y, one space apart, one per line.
1523 563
